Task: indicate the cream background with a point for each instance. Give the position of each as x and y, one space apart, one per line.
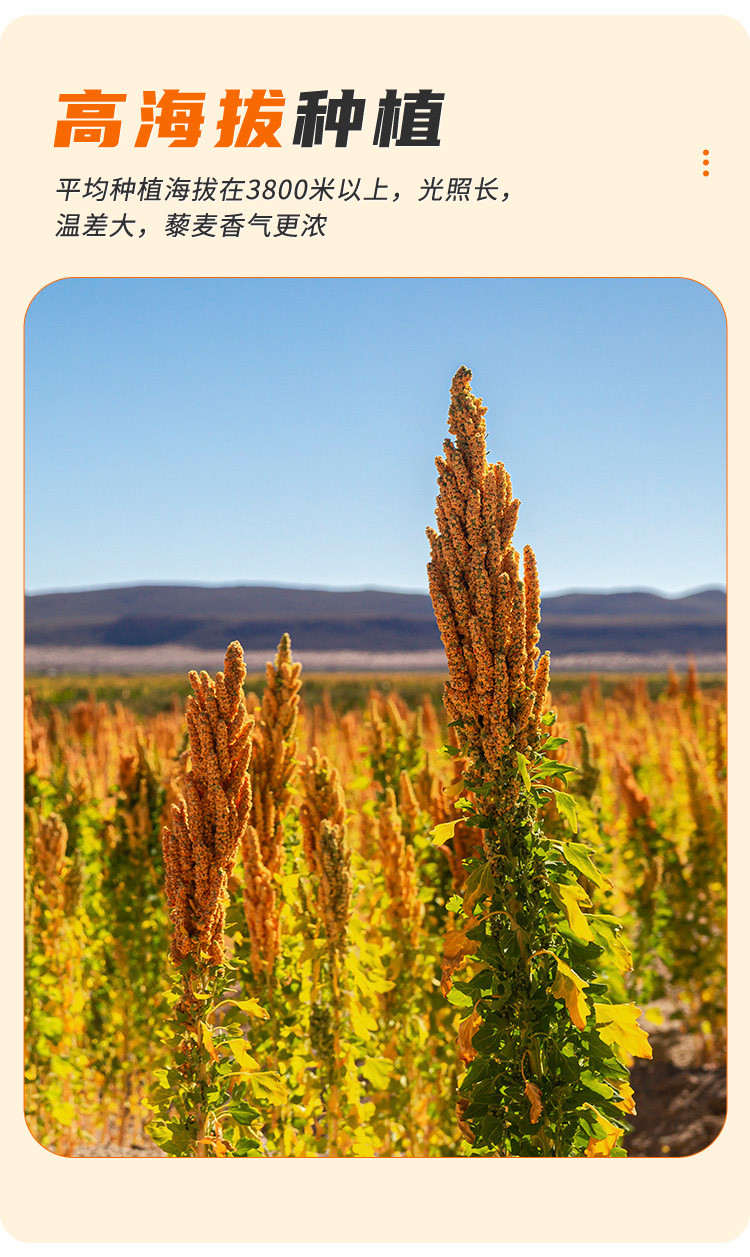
595 126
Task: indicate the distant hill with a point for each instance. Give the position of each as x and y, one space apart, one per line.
207 618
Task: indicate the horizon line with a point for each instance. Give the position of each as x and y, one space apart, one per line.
351 589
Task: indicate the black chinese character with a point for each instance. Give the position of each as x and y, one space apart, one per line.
352 192
231 189
177 224
122 187
95 225
122 224
314 225
379 187
458 189
420 119
260 220
321 188
231 225
430 188
286 224
68 225
97 188
203 224
69 186
418 115
486 189
204 189
178 189
345 115
150 190
342 115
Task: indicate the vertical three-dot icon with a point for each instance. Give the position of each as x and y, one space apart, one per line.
705 162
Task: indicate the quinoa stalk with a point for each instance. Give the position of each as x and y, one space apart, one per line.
529 1025
200 850
322 816
273 763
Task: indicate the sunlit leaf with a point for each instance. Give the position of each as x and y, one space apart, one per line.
63 1112
601 1146
207 1039
569 986
363 1022
570 899
239 1052
249 1006
219 1146
523 768
618 1026
443 833
370 983
566 807
289 885
627 1099
578 856
267 1085
607 936
377 1070
550 768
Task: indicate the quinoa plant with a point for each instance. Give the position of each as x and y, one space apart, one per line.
207 1101
328 860
58 1088
273 765
136 926
546 1050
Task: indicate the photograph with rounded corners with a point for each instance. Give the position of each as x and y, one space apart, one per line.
375 718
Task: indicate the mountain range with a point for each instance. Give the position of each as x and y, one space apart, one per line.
205 617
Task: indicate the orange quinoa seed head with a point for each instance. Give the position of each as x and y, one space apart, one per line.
487 613
208 825
322 817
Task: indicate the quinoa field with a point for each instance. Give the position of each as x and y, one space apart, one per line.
480 913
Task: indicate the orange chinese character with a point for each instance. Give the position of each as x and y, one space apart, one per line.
179 118
262 117
89 119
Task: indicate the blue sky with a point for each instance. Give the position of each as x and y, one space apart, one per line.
284 431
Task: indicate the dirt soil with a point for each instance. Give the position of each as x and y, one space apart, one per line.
681 1103
680 1111
117 1150
145 1149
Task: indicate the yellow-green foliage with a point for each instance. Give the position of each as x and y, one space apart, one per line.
368 1066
